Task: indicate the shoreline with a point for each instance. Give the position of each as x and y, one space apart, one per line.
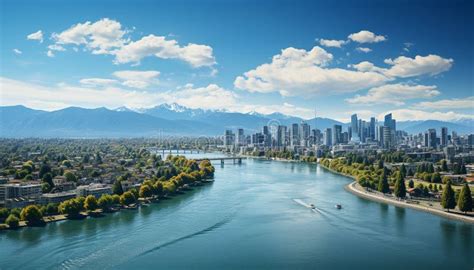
352 188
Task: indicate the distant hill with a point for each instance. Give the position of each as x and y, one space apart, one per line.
166 119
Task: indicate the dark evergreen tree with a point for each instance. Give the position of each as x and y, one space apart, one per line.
400 188
117 187
465 199
447 199
383 185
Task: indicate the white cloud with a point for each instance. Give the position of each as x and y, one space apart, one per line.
101 37
50 53
364 49
196 55
465 103
415 115
420 65
97 82
404 67
137 79
56 47
394 94
301 72
332 43
36 36
16 51
209 97
365 36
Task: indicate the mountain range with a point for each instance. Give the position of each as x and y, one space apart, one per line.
166 119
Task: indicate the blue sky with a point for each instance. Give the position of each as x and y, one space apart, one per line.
413 58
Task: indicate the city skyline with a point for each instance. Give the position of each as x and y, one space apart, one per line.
358 64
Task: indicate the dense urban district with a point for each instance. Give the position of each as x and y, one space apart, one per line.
433 170
49 180
46 180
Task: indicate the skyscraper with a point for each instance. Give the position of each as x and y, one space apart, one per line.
336 134
294 135
328 137
444 136
354 129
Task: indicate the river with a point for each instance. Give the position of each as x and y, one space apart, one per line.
252 217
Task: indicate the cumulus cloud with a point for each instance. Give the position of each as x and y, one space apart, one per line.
38 35
332 43
16 51
137 79
394 94
301 72
415 115
420 65
107 36
364 49
101 37
465 103
196 55
50 53
404 67
365 36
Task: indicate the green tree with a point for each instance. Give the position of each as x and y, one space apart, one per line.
117 187
71 208
444 165
436 177
403 171
12 221
105 202
158 188
127 198
4 213
48 178
51 209
145 191
400 188
465 199
70 177
116 199
447 199
32 215
383 185
90 203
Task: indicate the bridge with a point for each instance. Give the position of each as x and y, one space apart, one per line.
237 160
171 151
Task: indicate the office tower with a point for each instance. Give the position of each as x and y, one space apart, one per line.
229 138
304 134
391 124
327 137
372 128
470 139
294 135
380 135
240 137
432 138
387 137
444 136
336 134
281 136
426 139
354 129
345 137
267 136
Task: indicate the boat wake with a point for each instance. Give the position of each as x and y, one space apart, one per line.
203 231
314 209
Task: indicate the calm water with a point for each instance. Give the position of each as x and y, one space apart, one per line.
248 219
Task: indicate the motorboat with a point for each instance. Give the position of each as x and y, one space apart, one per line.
312 206
338 206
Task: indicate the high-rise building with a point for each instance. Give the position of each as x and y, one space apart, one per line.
229 138
294 135
336 134
387 137
281 136
432 138
354 129
240 137
372 128
328 137
444 136
304 134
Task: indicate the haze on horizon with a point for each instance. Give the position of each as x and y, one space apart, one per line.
243 56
